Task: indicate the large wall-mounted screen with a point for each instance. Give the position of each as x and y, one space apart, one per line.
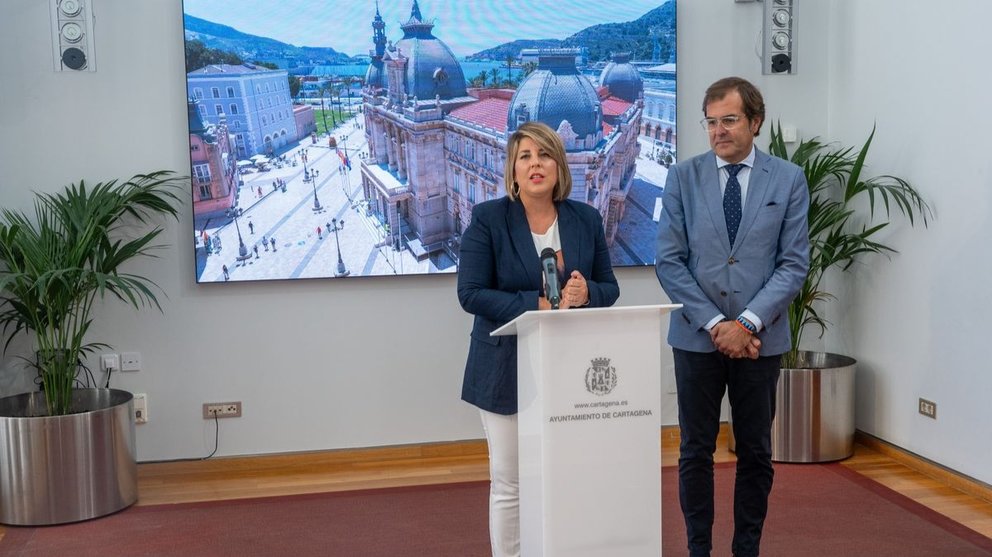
352 139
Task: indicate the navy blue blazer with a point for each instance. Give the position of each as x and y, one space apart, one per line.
499 278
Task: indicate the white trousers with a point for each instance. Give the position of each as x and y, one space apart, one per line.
504 483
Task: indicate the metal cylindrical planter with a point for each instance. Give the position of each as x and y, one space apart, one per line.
60 469
814 415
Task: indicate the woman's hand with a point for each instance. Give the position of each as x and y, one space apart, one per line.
576 291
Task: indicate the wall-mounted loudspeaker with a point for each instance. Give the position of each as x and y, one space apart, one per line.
72 35
778 53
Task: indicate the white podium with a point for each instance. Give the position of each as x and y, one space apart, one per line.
589 391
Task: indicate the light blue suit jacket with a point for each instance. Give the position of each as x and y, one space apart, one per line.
499 278
763 271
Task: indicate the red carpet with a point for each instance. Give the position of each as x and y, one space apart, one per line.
816 510
825 510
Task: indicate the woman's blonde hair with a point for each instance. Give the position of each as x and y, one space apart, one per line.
548 141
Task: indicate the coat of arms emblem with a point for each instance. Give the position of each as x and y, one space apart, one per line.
601 378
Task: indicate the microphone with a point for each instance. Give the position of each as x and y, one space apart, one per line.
549 266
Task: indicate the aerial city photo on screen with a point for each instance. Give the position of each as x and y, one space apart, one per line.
352 139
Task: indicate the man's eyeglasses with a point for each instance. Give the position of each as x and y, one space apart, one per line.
727 122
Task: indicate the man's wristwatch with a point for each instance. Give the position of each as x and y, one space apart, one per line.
747 325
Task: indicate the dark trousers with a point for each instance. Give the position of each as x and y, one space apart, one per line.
701 379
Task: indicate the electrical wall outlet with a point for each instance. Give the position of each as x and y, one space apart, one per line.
928 408
789 133
140 408
131 361
110 362
221 410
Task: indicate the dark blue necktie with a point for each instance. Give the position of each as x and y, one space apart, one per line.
732 201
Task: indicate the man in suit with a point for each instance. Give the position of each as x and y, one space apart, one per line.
733 249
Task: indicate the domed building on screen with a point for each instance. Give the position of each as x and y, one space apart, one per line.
437 147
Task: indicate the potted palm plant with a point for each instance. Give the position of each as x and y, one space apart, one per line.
67 452
840 235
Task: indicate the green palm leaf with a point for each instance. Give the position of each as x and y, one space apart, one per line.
55 263
838 234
